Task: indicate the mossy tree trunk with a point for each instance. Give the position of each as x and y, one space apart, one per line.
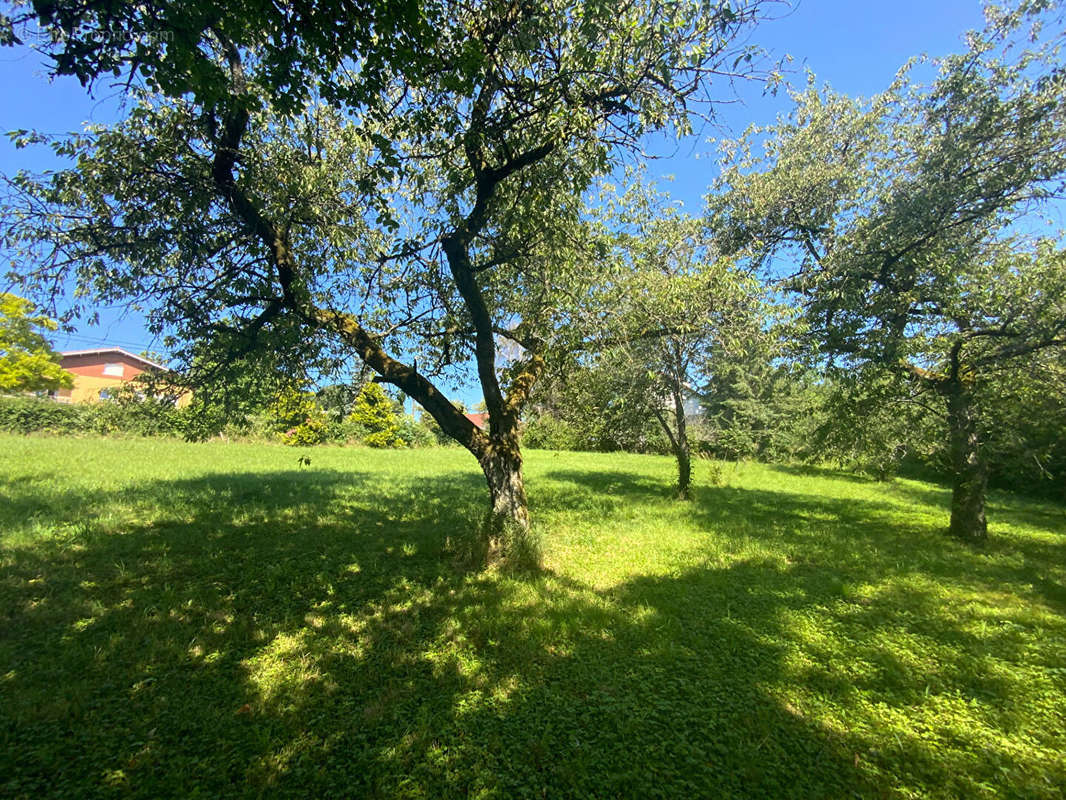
501 461
682 450
969 471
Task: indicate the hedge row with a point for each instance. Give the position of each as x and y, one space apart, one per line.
32 415
152 418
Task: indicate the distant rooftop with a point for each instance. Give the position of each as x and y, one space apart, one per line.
481 420
100 351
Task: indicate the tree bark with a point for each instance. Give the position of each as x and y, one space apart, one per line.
969 471
501 462
682 451
678 444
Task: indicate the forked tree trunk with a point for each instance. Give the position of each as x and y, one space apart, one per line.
678 436
969 471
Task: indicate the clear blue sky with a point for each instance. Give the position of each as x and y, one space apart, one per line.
853 45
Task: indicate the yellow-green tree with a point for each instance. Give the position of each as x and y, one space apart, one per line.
373 410
27 361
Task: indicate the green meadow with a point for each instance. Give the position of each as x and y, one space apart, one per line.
183 620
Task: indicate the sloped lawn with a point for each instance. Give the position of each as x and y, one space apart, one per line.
215 620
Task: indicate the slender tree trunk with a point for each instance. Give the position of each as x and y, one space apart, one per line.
682 451
969 471
678 444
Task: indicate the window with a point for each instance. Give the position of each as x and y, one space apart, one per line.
114 370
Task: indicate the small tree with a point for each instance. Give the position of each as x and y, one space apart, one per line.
27 361
374 412
677 303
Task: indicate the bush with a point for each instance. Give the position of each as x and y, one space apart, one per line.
129 412
298 419
547 432
309 432
373 411
32 415
126 414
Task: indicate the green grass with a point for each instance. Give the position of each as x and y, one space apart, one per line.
183 620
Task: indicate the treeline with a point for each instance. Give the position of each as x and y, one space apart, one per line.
778 411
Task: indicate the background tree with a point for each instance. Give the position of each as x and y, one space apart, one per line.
27 361
902 216
438 212
596 404
1024 424
678 306
375 412
761 399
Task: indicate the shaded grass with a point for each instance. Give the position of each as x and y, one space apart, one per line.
179 619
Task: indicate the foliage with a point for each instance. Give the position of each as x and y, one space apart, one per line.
131 410
338 399
297 418
126 414
545 430
903 215
871 424
33 414
1025 425
599 405
210 619
374 412
27 361
416 433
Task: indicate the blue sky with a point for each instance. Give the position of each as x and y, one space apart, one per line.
854 45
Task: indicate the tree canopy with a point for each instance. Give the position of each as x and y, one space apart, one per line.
27 361
903 218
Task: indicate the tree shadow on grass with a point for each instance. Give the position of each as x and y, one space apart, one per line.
813 471
299 634
294 634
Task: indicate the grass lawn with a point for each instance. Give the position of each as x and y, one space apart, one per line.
213 619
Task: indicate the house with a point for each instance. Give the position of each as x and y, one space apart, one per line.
100 371
481 420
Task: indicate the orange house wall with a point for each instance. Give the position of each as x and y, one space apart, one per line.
90 380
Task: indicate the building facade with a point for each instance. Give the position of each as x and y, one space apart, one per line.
99 372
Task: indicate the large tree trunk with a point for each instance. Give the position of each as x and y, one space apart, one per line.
507 533
502 465
969 472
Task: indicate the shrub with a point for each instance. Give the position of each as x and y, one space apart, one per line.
373 411
32 415
547 432
128 411
298 419
416 433
125 414
309 432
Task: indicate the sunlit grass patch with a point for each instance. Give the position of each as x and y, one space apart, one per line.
217 619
